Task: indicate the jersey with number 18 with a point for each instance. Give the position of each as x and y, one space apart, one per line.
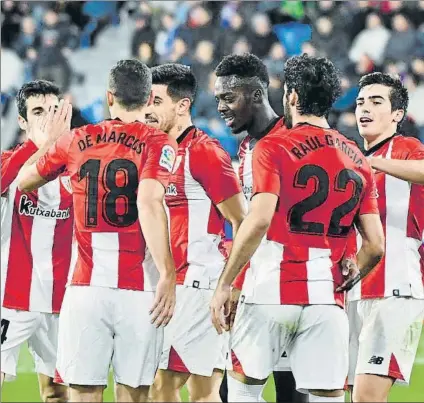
106 162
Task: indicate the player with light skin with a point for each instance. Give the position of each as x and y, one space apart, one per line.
214 186
118 266
245 107
311 87
394 295
35 101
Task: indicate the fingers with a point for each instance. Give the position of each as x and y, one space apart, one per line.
349 283
162 309
216 320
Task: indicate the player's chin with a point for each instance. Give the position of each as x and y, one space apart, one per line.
237 129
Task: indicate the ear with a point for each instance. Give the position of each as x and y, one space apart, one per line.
110 98
23 124
293 98
398 115
151 98
183 106
257 96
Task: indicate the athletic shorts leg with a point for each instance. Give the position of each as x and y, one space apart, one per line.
191 343
254 341
283 363
43 344
85 343
390 336
16 328
355 327
320 351
137 342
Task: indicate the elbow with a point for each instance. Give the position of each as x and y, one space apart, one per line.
376 249
262 224
23 185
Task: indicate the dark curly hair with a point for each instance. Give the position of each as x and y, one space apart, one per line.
247 65
34 89
398 95
131 82
316 81
179 78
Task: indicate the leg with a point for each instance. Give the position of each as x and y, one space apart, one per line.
2 378
285 388
167 385
388 345
223 389
205 388
85 394
355 328
242 388
127 394
50 391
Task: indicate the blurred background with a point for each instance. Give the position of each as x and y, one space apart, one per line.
75 43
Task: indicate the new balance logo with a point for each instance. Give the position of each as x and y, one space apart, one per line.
284 355
376 360
171 190
27 207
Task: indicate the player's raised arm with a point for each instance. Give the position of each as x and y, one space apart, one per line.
154 223
48 162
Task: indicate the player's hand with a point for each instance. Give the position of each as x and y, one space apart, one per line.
235 296
351 275
164 304
220 308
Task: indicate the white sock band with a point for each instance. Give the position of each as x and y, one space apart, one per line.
240 392
337 399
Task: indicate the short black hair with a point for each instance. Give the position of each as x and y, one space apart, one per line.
398 94
130 81
33 89
246 65
179 79
316 81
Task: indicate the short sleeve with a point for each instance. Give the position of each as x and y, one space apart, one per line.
369 203
408 148
53 163
160 157
211 166
265 169
417 153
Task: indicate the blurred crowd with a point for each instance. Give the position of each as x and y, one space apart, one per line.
39 38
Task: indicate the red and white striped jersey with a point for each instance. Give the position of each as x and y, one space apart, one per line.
401 205
106 162
322 181
202 178
36 238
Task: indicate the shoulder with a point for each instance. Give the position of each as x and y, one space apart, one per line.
205 145
406 143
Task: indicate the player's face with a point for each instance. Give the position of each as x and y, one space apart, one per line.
37 106
374 115
234 104
162 113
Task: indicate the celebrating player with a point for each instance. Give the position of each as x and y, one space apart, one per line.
119 171
203 190
36 244
386 310
309 184
242 111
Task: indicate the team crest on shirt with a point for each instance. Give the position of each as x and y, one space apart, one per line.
177 163
66 182
167 158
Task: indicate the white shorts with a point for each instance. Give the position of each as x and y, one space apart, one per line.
191 343
384 336
100 326
39 329
315 338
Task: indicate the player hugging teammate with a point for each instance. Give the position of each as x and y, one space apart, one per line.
147 194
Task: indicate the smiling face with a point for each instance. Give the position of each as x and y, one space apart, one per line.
374 115
162 113
235 104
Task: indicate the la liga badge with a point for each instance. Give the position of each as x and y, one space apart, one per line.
167 158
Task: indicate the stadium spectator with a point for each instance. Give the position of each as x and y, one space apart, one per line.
144 33
236 29
203 60
28 37
275 59
261 37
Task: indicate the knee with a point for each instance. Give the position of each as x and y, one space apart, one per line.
54 393
368 394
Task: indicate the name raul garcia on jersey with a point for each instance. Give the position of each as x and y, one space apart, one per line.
27 207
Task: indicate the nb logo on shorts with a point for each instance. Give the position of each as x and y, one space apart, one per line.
376 360
284 355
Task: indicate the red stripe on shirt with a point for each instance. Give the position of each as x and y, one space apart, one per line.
84 266
294 292
131 255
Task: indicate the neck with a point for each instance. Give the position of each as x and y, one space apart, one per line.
178 129
311 120
128 116
374 140
263 117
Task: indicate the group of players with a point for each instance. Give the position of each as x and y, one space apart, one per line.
129 214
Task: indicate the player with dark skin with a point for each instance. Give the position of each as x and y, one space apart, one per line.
244 106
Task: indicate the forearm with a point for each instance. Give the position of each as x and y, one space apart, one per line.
244 246
408 170
367 258
154 225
